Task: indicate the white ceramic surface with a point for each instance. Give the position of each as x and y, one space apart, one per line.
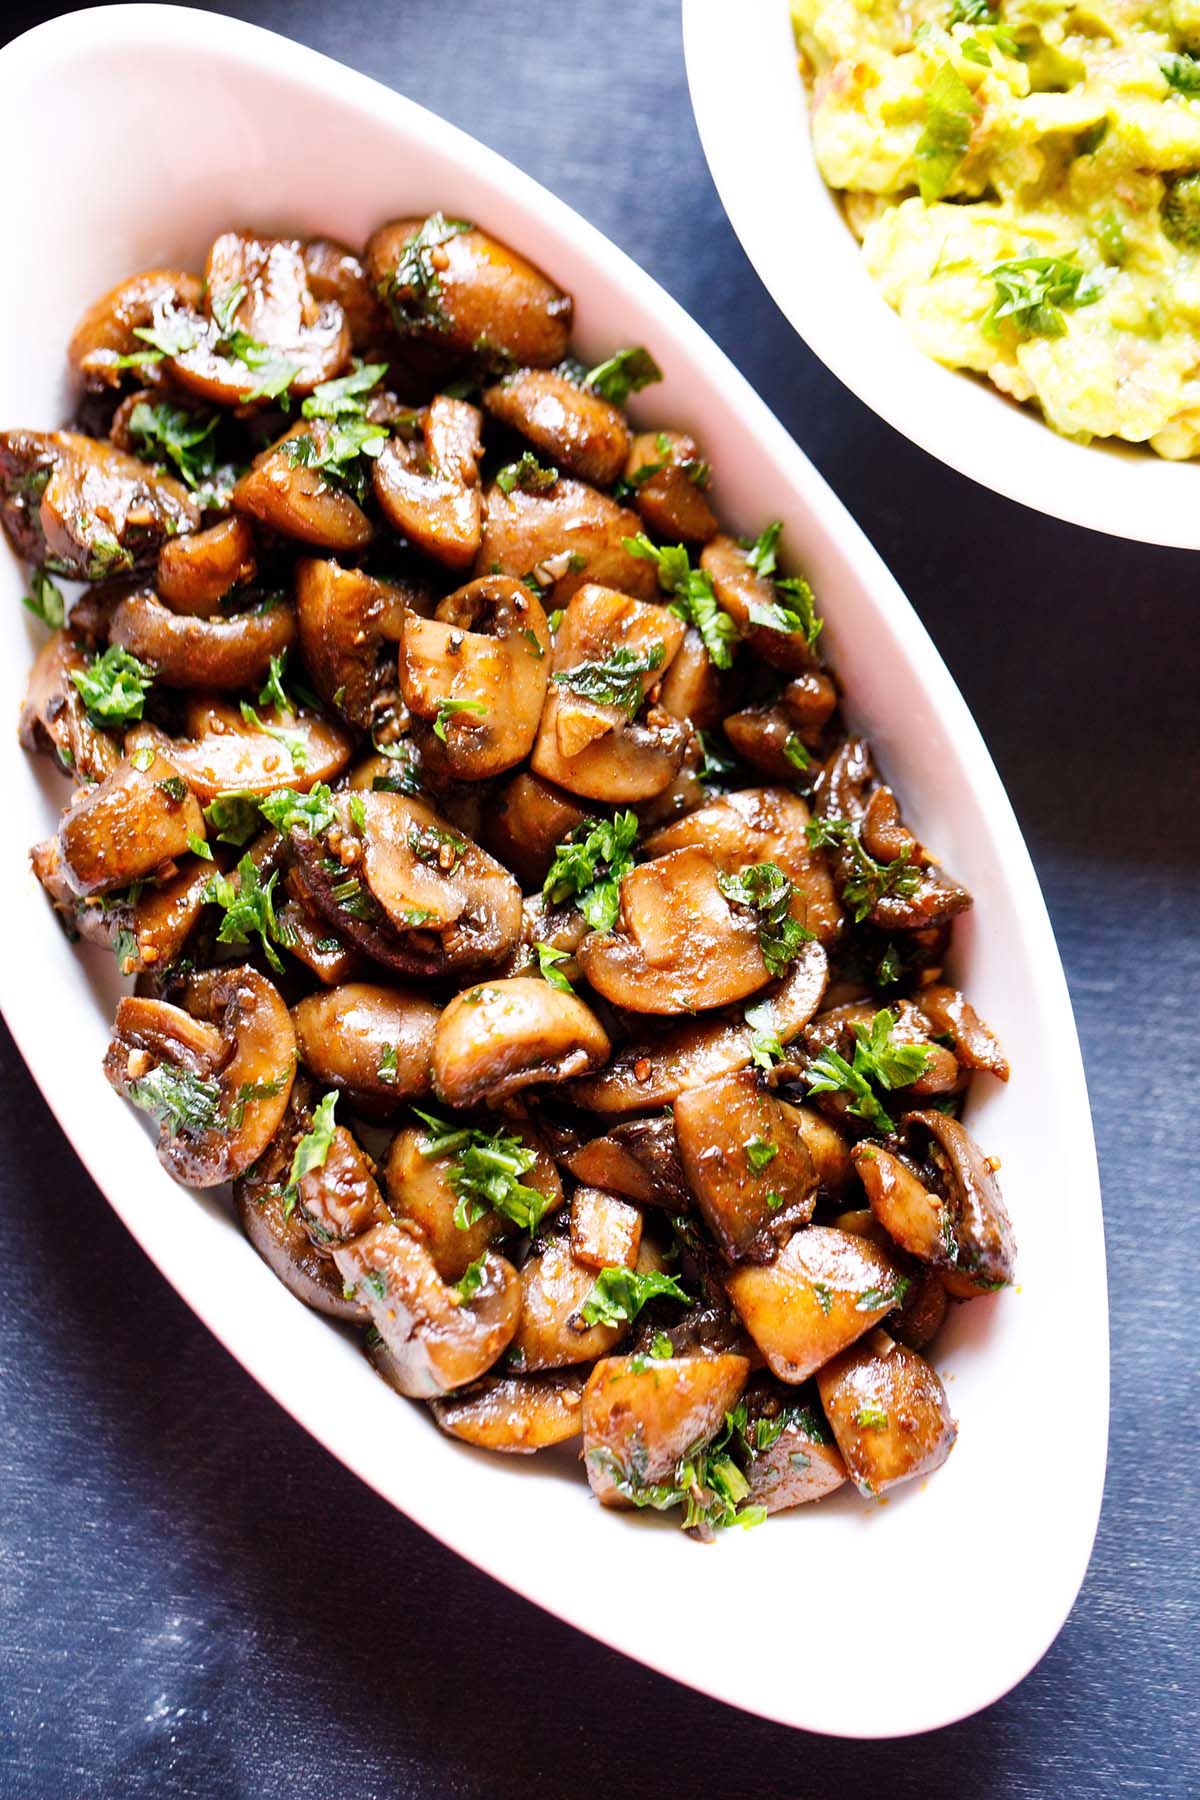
171 124
752 115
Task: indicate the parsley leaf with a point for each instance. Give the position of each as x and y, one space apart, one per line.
694 600
45 599
114 686
944 142
472 1279
877 1058
413 289
1031 292
620 1294
176 435
625 373
313 1149
548 960
796 752
590 865
761 553
759 1152
337 454
867 882
273 691
794 608
389 1068
1182 72
275 373
765 889
528 474
249 909
486 1175
178 1099
294 742
449 708
617 681
345 398
872 1418
235 816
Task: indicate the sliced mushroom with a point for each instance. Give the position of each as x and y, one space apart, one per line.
224 752
757 825
564 537
292 495
197 571
493 1040
583 434
793 1458
479 670
54 718
924 1311
666 470
421 1189
606 1232
838 1027
83 508
919 1221
433 496
108 329
217 1076
653 1071
530 819
411 891
257 289
986 1252
642 1418
889 1414
680 947
130 825
747 597
374 1041
313 940
448 282
747 1164
555 1288
335 273
516 1414
190 652
692 687
338 1197
638 1159
951 1014
824 1290
350 624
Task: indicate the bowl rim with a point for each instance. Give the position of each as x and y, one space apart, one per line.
29 63
751 113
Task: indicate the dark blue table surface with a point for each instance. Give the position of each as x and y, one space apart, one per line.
195 1600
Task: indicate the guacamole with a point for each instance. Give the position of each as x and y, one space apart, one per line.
1025 180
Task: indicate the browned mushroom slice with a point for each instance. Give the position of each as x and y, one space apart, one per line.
445 281
951 1014
692 686
564 537
84 508
766 738
669 477
433 1340
190 652
107 332
493 1040
313 940
681 946
581 433
639 1159
197 571
810 700
747 1164
414 893
127 827
793 1458
216 1076
516 1414
225 752
54 718
606 1232
350 624
751 602
274 1226
530 819
432 496
924 1311
757 825
985 1249
889 1413
336 273
828 1148
642 1418
338 1197
919 1221
375 1041
652 1071
264 332
824 1289
146 927
286 488
479 670
555 1288
421 1188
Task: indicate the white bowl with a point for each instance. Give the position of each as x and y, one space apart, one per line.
752 114
171 124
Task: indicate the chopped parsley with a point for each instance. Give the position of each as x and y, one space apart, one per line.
548 959
879 1299
199 846
763 888
178 1099
234 816
1181 72
765 1431
313 1149
275 373
759 1152
872 1418
486 1173
45 600
345 398
694 600
388 1069
471 1280
793 610
294 742
337 453
1031 293
868 881
248 906
449 710
950 110
617 681
625 373
620 1294
877 1058
413 289
796 753
178 436
590 865
439 849
114 686
714 765
404 775
528 475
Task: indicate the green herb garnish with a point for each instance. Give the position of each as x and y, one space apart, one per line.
528 474
950 109
763 888
694 600
1031 293
486 1173
617 681
114 686
625 373
590 865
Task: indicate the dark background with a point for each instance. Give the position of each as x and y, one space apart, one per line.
195 1600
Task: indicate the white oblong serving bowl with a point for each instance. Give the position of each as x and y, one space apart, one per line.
172 124
752 114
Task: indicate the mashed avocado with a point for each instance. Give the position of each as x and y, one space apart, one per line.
1025 180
